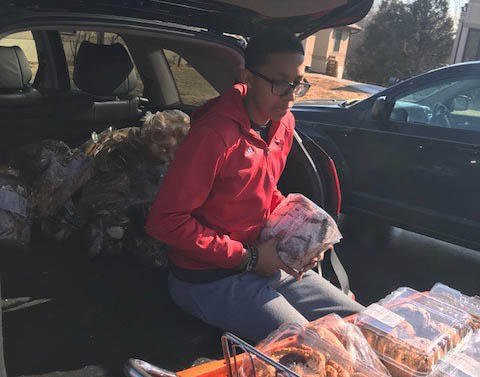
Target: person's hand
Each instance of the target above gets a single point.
(269, 263)
(314, 261)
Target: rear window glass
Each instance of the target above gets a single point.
(192, 86)
(72, 40)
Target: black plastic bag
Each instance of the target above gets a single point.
(54, 171)
(15, 209)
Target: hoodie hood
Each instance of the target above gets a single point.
(229, 105)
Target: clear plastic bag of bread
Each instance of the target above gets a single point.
(305, 230)
(54, 171)
(463, 361)
(163, 131)
(457, 299)
(15, 209)
(303, 351)
(349, 339)
(411, 331)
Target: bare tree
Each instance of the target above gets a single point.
(112, 38)
(75, 41)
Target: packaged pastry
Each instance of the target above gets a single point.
(463, 361)
(304, 228)
(455, 298)
(348, 338)
(410, 331)
(304, 353)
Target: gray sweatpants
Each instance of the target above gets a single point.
(252, 306)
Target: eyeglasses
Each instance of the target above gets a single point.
(282, 88)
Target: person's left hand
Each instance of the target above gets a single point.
(314, 261)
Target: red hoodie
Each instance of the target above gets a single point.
(221, 186)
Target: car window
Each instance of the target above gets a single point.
(192, 86)
(26, 42)
(453, 103)
(71, 42)
(424, 93)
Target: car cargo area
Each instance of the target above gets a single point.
(68, 315)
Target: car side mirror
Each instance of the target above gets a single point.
(380, 109)
(461, 103)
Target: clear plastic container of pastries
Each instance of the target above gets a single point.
(456, 298)
(411, 331)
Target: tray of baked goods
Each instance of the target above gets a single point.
(411, 331)
(406, 334)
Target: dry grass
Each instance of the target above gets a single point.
(324, 87)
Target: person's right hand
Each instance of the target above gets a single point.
(269, 263)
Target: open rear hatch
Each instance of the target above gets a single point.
(242, 17)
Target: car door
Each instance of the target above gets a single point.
(439, 127)
(374, 159)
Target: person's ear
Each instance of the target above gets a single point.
(247, 77)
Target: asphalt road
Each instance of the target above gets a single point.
(67, 315)
(380, 259)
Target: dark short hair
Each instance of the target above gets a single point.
(270, 41)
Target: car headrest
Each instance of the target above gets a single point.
(15, 72)
(104, 70)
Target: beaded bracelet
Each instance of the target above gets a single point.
(253, 258)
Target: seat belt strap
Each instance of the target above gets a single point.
(340, 272)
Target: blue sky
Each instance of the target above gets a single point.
(455, 6)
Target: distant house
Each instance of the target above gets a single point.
(328, 43)
(467, 41)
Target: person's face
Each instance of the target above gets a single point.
(284, 66)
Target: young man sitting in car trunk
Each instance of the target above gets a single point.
(219, 190)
